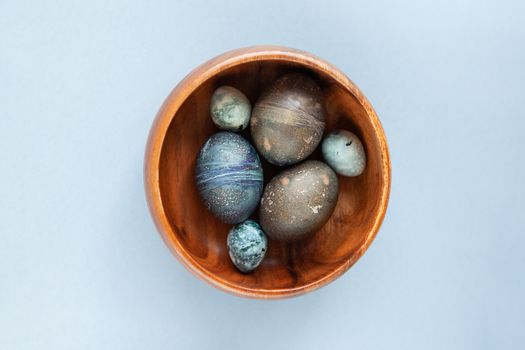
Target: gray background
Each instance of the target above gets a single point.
(81, 264)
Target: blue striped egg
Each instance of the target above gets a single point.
(229, 177)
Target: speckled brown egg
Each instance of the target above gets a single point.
(288, 119)
(299, 201)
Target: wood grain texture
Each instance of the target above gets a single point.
(198, 239)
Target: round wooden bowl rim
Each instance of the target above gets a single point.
(158, 132)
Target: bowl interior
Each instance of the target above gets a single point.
(288, 267)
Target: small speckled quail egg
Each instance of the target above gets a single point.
(344, 152)
(247, 245)
(230, 109)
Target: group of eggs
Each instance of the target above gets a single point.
(286, 124)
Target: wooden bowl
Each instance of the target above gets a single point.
(198, 240)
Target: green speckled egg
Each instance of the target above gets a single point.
(344, 152)
(230, 109)
(247, 245)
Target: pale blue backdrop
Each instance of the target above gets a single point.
(81, 264)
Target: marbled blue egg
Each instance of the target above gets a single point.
(230, 109)
(344, 152)
(229, 177)
(247, 245)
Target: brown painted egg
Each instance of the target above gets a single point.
(288, 119)
(299, 201)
